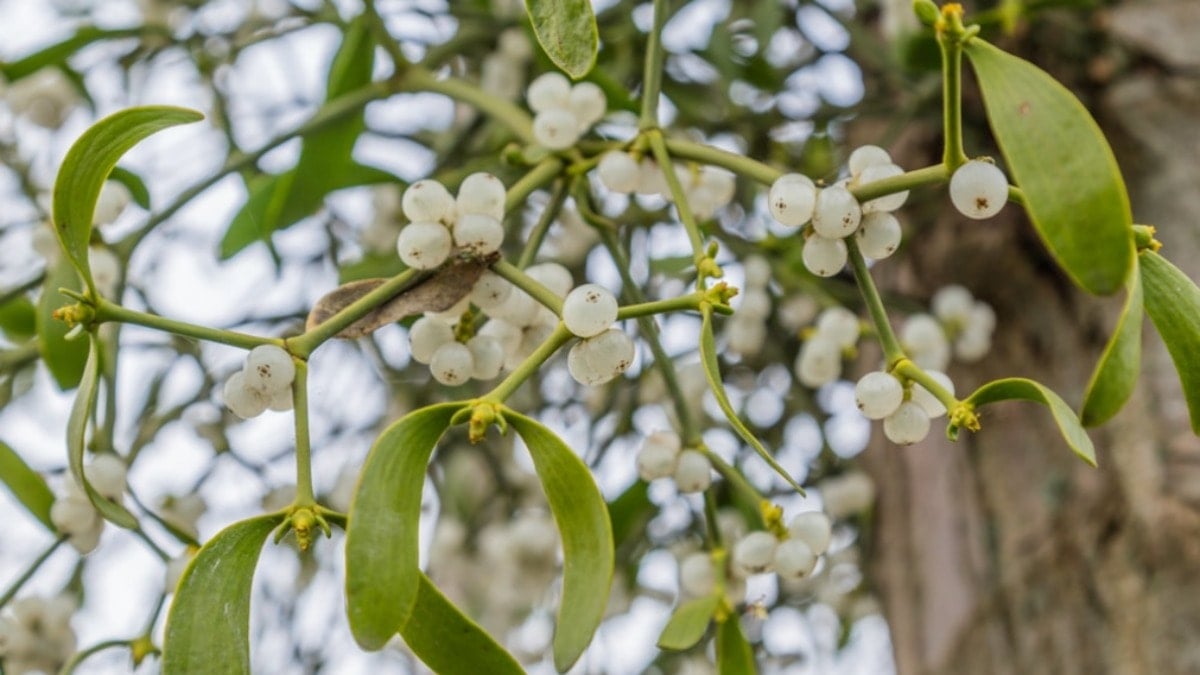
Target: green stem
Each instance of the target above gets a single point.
(20, 581)
(739, 164)
(79, 657)
(533, 287)
(106, 310)
(417, 78)
(712, 526)
(306, 343)
(304, 483)
(529, 366)
(383, 37)
(680, 304)
(536, 236)
(735, 478)
(538, 176)
(663, 157)
(652, 69)
(950, 33)
(911, 371)
(929, 175)
(892, 350)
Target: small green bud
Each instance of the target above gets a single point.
(926, 11)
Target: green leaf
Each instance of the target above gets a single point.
(1173, 303)
(371, 266)
(77, 421)
(688, 624)
(566, 30)
(59, 52)
(134, 183)
(630, 512)
(26, 485)
(712, 370)
(382, 576)
(208, 628)
(587, 541)
(64, 358)
(448, 641)
(18, 319)
(88, 164)
(1060, 159)
(1116, 374)
(1020, 388)
(735, 656)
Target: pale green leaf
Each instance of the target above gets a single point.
(566, 30)
(18, 319)
(1173, 303)
(448, 641)
(26, 485)
(1060, 159)
(64, 358)
(208, 628)
(1017, 388)
(1116, 374)
(583, 523)
(688, 623)
(735, 656)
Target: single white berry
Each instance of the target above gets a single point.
(74, 516)
(819, 362)
(113, 199)
(953, 304)
(836, 213)
(503, 332)
(746, 335)
(840, 325)
(795, 311)
(824, 257)
(792, 198)
(983, 317)
(478, 234)
(878, 394)
(717, 186)
(879, 235)
(925, 341)
(424, 245)
(978, 189)
(599, 359)
(587, 103)
(519, 309)
(589, 310)
(106, 269)
(281, 400)
(481, 193)
(847, 494)
(452, 364)
(553, 276)
(269, 369)
(106, 473)
(697, 575)
(928, 402)
(972, 344)
(487, 357)
(426, 336)
(812, 528)
(657, 460)
(757, 271)
(755, 553)
(651, 179)
(865, 156)
(556, 128)
(755, 304)
(619, 171)
(794, 559)
(490, 290)
(693, 472)
(427, 200)
(547, 91)
(242, 400)
(909, 424)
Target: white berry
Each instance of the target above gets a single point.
(879, 235)
(487, 356)
(812, 528)
(478, 234)
(556, 128)
(242, 400)
(452, 364)
(426, 336)
(865, 156)
(953, 304)
(269, 369)
(589, 310)
(490, 290)
(925, 341)
(106, 473)
(427, 200)
(424, 245)
(697, 575)
(909, 424)
(619, 172)
(481, 193)
(587, 103)
(755, 553)
(693, 472)
(757, 271)
(794, 559)
(792, 198)
(824, 257)
(978, 189)
(819, 362)
(928, 402)
(549, 90)
(599, 359)
(836, 213)
(840, 325)
(553, 276)
(878, 394)
(889, 202)
(659, 455)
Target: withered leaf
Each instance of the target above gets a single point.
(435, 292)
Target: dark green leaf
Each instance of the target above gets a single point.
(712, 370)
(1173, 303)
(630, 512)
(88, 164)
(26, 485)
(77, 422)
(688, 623)
(448, 641)
(1017, 388)
(1060, 159)
(64, 358)
(735, 656)
(1116, 374)
(18, 319)
(582, 519)
(208, 628)
(382, 576)
(566, 30)
(134, 183)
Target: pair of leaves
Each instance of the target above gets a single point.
(384, 585)
(566, 30)
(1073, 190)
(688, 625)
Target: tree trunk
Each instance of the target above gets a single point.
(1003, 553)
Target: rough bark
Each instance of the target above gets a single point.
(1003, 553)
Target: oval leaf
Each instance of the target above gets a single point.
(566, 30)
(81, 412)
(583, 523)
(448, 641)
(18, 319)
(64, 358)
(1116, 374)
(1060, 159)
(735, 656)
(712, 370)
(26, 485)
(208, 628)
(1020, 388)
(89, 162)
(688, 623)
(382, 576)
(1173, 303)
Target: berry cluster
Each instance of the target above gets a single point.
(589, 312)
(707, 188)
(36, 635)
(432, 342)
(662, 456)
(906, 411)
(440, 223)
(564, 113)
(793, 556)
(265, 382)
(73, 514)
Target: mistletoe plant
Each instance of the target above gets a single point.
(478, 308)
